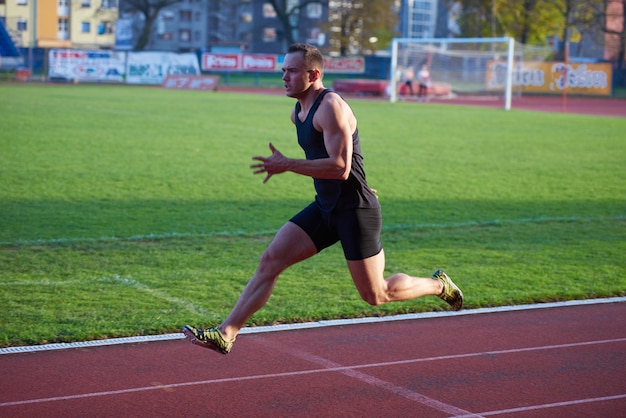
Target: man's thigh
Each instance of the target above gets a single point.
(290, 245)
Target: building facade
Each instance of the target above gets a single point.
(222, 25)
(60, 23)
(419, 18)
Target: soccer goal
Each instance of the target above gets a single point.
(457, 66)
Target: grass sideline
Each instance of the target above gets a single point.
(132, 211)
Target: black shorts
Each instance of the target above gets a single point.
(357, 229)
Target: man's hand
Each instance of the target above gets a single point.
(274, 164)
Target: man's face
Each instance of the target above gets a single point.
(296, 76)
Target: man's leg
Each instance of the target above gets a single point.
(375, 289)
(290, 245)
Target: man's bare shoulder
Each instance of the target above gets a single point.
(334, 112)
(333, 102)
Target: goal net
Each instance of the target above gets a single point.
(457, 66)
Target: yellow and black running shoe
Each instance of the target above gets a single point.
(451, 293)
(209, 338)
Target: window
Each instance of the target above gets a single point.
(105, 28)
(85, 27)
(185, 16)
(22, 25)
(85, 3)
(269, 34)
(62, 33)
(21, 2)
(62, 24)
(184, 35)
(314, 10)
(268, 10)
(109, 4)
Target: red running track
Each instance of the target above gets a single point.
(565, 361)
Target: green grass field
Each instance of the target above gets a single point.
(130, 211)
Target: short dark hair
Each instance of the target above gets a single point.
(313, 58)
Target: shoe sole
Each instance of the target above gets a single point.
(192, 339)
(459, 296)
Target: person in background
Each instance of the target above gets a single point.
(407, 80)
(425, 82)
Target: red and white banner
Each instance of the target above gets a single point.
(258, 62)
(344, 65)
(221, 62)
(269, 62)
(191, 82)
(238, 62)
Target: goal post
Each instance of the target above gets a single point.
(459, 66)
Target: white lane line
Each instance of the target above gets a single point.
(370, 380)
(547, 405)
(347, 369)
(309, 325)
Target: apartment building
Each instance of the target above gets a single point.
(210, 25)
(86, 24)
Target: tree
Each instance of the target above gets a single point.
(528, 21)
(359, 26)
(288, 13)
(474, 18)
(150, 10)
(354, 26)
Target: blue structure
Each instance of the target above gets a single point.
(10, 56)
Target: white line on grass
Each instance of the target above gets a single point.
(185, 304)
(307, 325)
(243, 234)
(116, 280)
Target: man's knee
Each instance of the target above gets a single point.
(374, 298)
(270, 263)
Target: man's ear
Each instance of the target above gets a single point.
(314, 75)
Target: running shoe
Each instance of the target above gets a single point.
(451, 293)
(208, 338)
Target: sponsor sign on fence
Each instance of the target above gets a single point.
(352, 65)
(263, 62)
(191, 82)
(238, 62)
(153, 67)
(552, 77)
(80, 65)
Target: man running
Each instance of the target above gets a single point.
(345, 208)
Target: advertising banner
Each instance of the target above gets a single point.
(267, 62)
(221, 62)
(153, 67)
(352, 65)
(191, 82)
(551, 77)
(74, 64)
(239, 62)
(258, 62)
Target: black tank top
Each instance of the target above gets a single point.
(334, 194)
